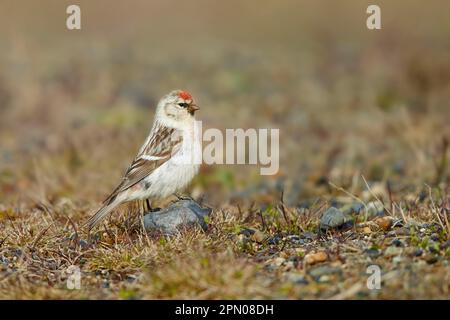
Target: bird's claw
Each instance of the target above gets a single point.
(183, 197)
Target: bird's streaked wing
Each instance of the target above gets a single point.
(163, 143)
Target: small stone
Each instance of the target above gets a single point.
(353, 208)
(385, 223)
(295, 239)
(366, 230)
(392, 251)
(247, 232)
(320, 271)
(418, 252)
(332, 218)
(296, 278)
(372, 252)
(374, 208)
(183, 213)
(397, 243)
(313, 258)
(274, 240)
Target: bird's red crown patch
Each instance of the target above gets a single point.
(185, 95)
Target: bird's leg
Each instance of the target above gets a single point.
(141, 206)
(183, 196)
(149, 207)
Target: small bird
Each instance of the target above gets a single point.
(166, 162)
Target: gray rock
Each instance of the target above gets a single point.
(353, 208)
(374, 209)
(324, 270)
(295, 239)
(296, 278)
(332, 218)
(373, 253)
(397, 243)
(247, 232)
(274, 240)
(180, 214)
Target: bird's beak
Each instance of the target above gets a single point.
(193, 107)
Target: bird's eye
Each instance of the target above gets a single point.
(183, 104)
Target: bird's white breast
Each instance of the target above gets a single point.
(176, 173)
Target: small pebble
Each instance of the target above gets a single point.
(373, 253)
(366, 230)
(295, 239)
(247, 232)
(354, 208)
(397, 243)
(274, 240)
(313, 258)
(384, 223)
(296, 278)
(324, 270)
(373, 209)
(332, 218)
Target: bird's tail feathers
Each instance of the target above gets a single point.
(101, 214)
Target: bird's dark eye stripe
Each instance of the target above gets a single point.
(183, 104)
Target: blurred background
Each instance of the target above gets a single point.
(76, 105)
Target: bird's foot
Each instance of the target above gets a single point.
(145, 206)
(183, 196)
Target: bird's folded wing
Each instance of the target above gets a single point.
(163, 143)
